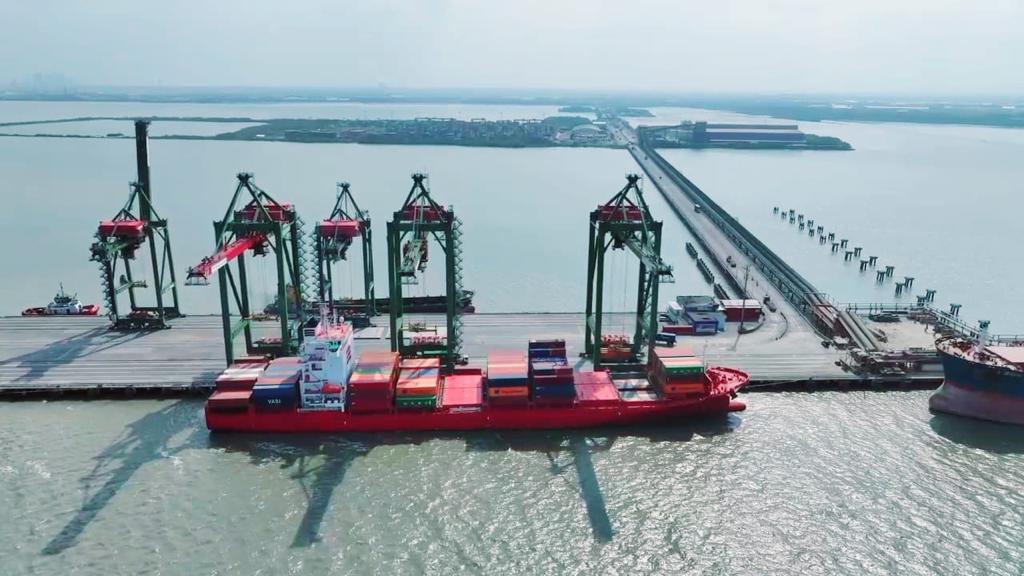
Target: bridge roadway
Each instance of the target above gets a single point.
(790, 292)
(787, 321)
(41, 355)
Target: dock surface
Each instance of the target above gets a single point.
(54, 355)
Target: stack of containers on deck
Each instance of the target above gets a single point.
(550, 374)
(326, 360)
(595, 389)
(277, 388)
(234, 385)
(372, 383)
(678, 373)
(463, 391)
(418, 383)
(508, 378)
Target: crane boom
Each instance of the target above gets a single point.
(199, 275)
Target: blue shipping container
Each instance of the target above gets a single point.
(274, 396)
(563, 390)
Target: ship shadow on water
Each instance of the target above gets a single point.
(145, 440)
(320, 462)
(979, 434)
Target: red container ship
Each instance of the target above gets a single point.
(325, 391)
(63, 304)
(241, 415)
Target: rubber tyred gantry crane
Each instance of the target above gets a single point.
(334, 236)
(263, 225)
(118, 240)
(624, 221)
(409, 232)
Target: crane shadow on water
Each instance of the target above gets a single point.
(320, 462)
(145, 440)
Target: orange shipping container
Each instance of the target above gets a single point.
(689, 388)
(509, 391)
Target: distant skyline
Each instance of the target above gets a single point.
(909, 47)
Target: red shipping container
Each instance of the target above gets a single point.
(463, 381)
(229, 400)
(598, 378)
(600, 395)
(425, 363)
(123, 228)
(678, 329)
(373, 378)
(369, 408)
(454, 397)
(234, 385)
(340, 228)
(509, 391)
(499, 401)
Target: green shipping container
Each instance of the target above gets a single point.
(684, 370)
(416, 401)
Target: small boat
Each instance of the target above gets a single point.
(64, 304)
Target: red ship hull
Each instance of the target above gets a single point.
(662, 411)
(87, 310)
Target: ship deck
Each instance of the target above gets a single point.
(56, 355)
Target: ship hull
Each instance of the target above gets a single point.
(661, 411)
(979, 390)
(87, 310)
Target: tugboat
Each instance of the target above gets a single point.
(981, 380)
(64, 305)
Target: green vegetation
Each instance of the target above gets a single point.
(826, 142)
(565, 121)
(624, 112)
(577, 109)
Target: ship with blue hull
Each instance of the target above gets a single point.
(981, 380)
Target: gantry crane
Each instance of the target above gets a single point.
(409, 232)
(118, 240)
(334, 236)
(263, 225)
(625, 221)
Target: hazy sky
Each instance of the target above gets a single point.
(880, 46)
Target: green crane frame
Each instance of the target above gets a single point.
(420, 219)
(625, 221)
(109, 250)
(330, 250)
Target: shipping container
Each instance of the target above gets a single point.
(638, 396)
(678, 329)
(462, 394)
(697, 303)
(559, 390)
(229, 401)
(274, 396)
(518, 391)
